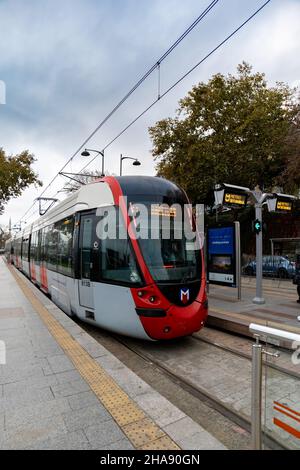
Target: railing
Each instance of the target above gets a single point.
(281, 411)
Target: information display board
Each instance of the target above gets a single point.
(234, 199)
(284, 205)
(221, 255)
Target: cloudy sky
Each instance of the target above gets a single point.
(66, 63)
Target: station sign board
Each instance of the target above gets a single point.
(234, 199)
(281, 204)
(284, 205)
(221, 255)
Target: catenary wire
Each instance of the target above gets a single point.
(177, 82)
(131, 91)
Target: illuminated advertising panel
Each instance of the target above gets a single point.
(234, 199)
(221, 257)
(284, 205)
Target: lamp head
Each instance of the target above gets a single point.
(85, 153)
(136, 163)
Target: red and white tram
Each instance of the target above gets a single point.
(150, 288)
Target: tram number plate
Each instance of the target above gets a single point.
(86, 283)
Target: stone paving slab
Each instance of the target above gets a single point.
(44, 401)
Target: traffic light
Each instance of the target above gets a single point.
(257, 226)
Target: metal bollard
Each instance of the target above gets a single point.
(256, 395)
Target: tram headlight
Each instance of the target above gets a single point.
(140, 293)
(152, 299)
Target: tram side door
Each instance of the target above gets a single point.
(86, 297)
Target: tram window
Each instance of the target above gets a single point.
(38, 246)
(51, 238)
(86, 245)
(25, 246)
(171, 256)
(33, 246)
(65, 246)
(116, 258)
(42, 253)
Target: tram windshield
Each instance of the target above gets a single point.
(167, 241)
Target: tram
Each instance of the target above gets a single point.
(95, 257)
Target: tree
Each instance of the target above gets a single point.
(16, 174)
(4, 235)
(290, 177)
(232, 129)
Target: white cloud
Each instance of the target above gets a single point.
(66, 64)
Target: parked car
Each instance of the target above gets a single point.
(296, 279)
(276, 266)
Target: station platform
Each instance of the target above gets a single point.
(280, 309)
(61, 389)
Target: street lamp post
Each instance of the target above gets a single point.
(86, 153)
(232, 194)
(136, 162)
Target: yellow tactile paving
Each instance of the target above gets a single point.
(142, 432)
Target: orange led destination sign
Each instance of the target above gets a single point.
(285, 206)
(235, 199)
(163, 211)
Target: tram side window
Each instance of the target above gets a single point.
(38, 248)
(51, 239)
(86, 228)
(116, 258)
(19, 247)
(33, 246)
(65, 246)
(25, 246)
(42, 250)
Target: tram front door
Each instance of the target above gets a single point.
(86, 298)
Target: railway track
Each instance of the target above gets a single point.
(199, 392)
(248, 356)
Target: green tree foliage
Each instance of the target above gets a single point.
(16, 174)
(232, 129)
(290, 177)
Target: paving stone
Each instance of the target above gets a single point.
(71, 441)
(70, 388)
(123, 444)
(103, 435)
(130, 382)
(110, 363)
(191, 436)
(18, 387)
(68, 376)
(91, 346)
(82, 400)
(14, 374)
(159, 408)
(26, 398)
(21, 417)
(41, 350)
(84, 417)
(60, 363)
(32, 432)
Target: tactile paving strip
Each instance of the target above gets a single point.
(142, 432)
